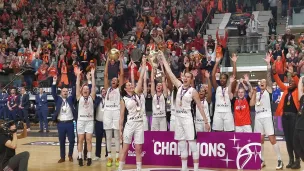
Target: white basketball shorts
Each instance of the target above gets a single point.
(85, 127)
(245, 128)
(264, 126)
(136, 129)
(184, 128)
(200, 126)
(159, 124)
(111, 119)
(223, 121)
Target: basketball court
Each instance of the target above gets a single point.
(44, 154)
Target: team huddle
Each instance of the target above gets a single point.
(121, 108)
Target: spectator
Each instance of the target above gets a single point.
(273, 8)
(284, 8)
(272, 24)
(210, 44)
(288, 36)
(272, 42)
(253, 34)
(242, 33)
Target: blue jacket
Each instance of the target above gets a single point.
(41, 103)
(3, 99)
(36, 64)
(58, 101)
(25, 101)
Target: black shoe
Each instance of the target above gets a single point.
(296, 164)
(89, 162)
(263, 164)
(291, 161)
(80, 162)
(280, 165)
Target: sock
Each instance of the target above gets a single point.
(89, 155)
(262, 152)
(195, 166)
(184, 164)
(138, 165)
(109, 154)
(277, 151)
(117, 155)
(80, 155)
(121, 164)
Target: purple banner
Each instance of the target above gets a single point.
(216, 149)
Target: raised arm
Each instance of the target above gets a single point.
(165, 89)
(54, 89)
(209, 94)
(152, 83)
(138, 87)
(246, 79)
(78, 72)
(196, 98)
(277, 79)
(132, 73)
(145, 92)
(106, 75)
(174, 80)
(93, 91)
(121, 72)
(268, 79)
(214, 83)
(234, 59)
(300, 88)
(232, 79)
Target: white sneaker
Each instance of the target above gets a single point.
(96, 159)
(256, 51)
(250, 51)
(28, 129)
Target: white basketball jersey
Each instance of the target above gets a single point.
(100, 110)
(222, 100)
(112, 99)
(183, 105)
(132, 104)
(159, 106)
(172, 107)
(263, 105)
(85, 109)
(143, 104)
(199, 117)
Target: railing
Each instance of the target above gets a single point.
(262, 42)
(203, 28)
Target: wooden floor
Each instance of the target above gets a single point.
(44, 158)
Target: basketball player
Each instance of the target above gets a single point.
(184, 118)
(130, 106)
(171, 96)
(205, 99)
(240, 104)
(263, 118)
(85, 121)
(142, 96)
(159, 95)
(112, 111)
(223, 118)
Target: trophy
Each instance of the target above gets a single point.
(114, 54)
(155, 58)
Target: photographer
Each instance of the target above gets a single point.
(9, 161)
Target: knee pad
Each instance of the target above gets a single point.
(182, 146)
(194, 149)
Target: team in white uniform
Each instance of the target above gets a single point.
(222, 118)
(111, 115)
(159, 95)
(263, 115)
(184, 118)
(131, 106)
(85, 121)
